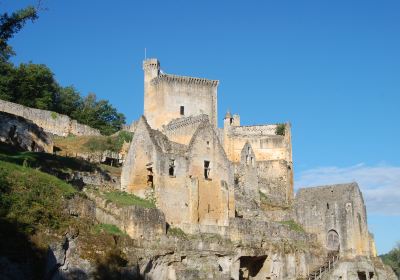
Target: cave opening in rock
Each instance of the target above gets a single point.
(250, 266)
(362, 275)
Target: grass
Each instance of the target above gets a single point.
(125, 199)
(293, 225)
(32, 198)
(109, 229)
(43, 161)
(173, 231)
(90, 144)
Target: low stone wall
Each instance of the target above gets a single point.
(51, 122)
(137, 222)
(24, 134)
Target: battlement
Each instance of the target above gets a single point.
(185, 79)
(260, 130)
(182, 122)
(151, 63)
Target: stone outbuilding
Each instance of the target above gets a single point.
(337, 214)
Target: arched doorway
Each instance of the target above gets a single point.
(332, 241)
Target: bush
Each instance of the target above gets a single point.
(293, 225)
(280, 129)
(173, 231)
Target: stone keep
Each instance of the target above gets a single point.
(168, 97)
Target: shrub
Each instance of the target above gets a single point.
(293, 225)
(54, 115)
(173, 231)
(280, 129)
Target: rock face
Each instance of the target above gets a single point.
(361, 268)
(51, 122)
(137, 222)
(24, 134)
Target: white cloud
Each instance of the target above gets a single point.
(380, 184)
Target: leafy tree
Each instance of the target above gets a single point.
(67, 100)
(99, 114)
(34, 85)
(11, 24)
(393, 259)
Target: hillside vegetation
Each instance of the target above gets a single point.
(393, 259)
(33, 216)
(88, 144)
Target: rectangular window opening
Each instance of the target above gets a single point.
(171, 169)
(182, 110)
(150, 177)
(206, 169)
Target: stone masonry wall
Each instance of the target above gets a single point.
(164, 95)
(51, 122)
(337, 210)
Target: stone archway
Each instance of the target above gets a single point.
(332, 241)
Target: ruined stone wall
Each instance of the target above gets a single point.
(263, 139)
(182, 130)
(185, 196)
(274, 180)
(215, 195)
(338, 210)
(164, 95)
(51, 122)
(272, 152)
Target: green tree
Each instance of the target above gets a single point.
(393, 259)
(11, 24)
(67, 100)
(99, 114)
(34, 85)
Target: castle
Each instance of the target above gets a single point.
(202, 176)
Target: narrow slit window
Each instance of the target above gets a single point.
(171, 169)
(150, 177)
(182, 110)
(206, 169)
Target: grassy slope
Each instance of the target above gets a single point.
(124, 199)
(88, 144)
(32, 211)
(53, 164)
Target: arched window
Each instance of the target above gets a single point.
(332, 241)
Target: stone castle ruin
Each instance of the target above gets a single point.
(237, 181)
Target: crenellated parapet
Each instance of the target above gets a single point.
(184, 79)
(184, 122)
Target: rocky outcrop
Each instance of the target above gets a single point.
(137, 222)
(24, 134)
(361, 268)
(51, 122)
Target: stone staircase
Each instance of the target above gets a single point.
(328, 265)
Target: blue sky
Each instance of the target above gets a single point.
(331, 68)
